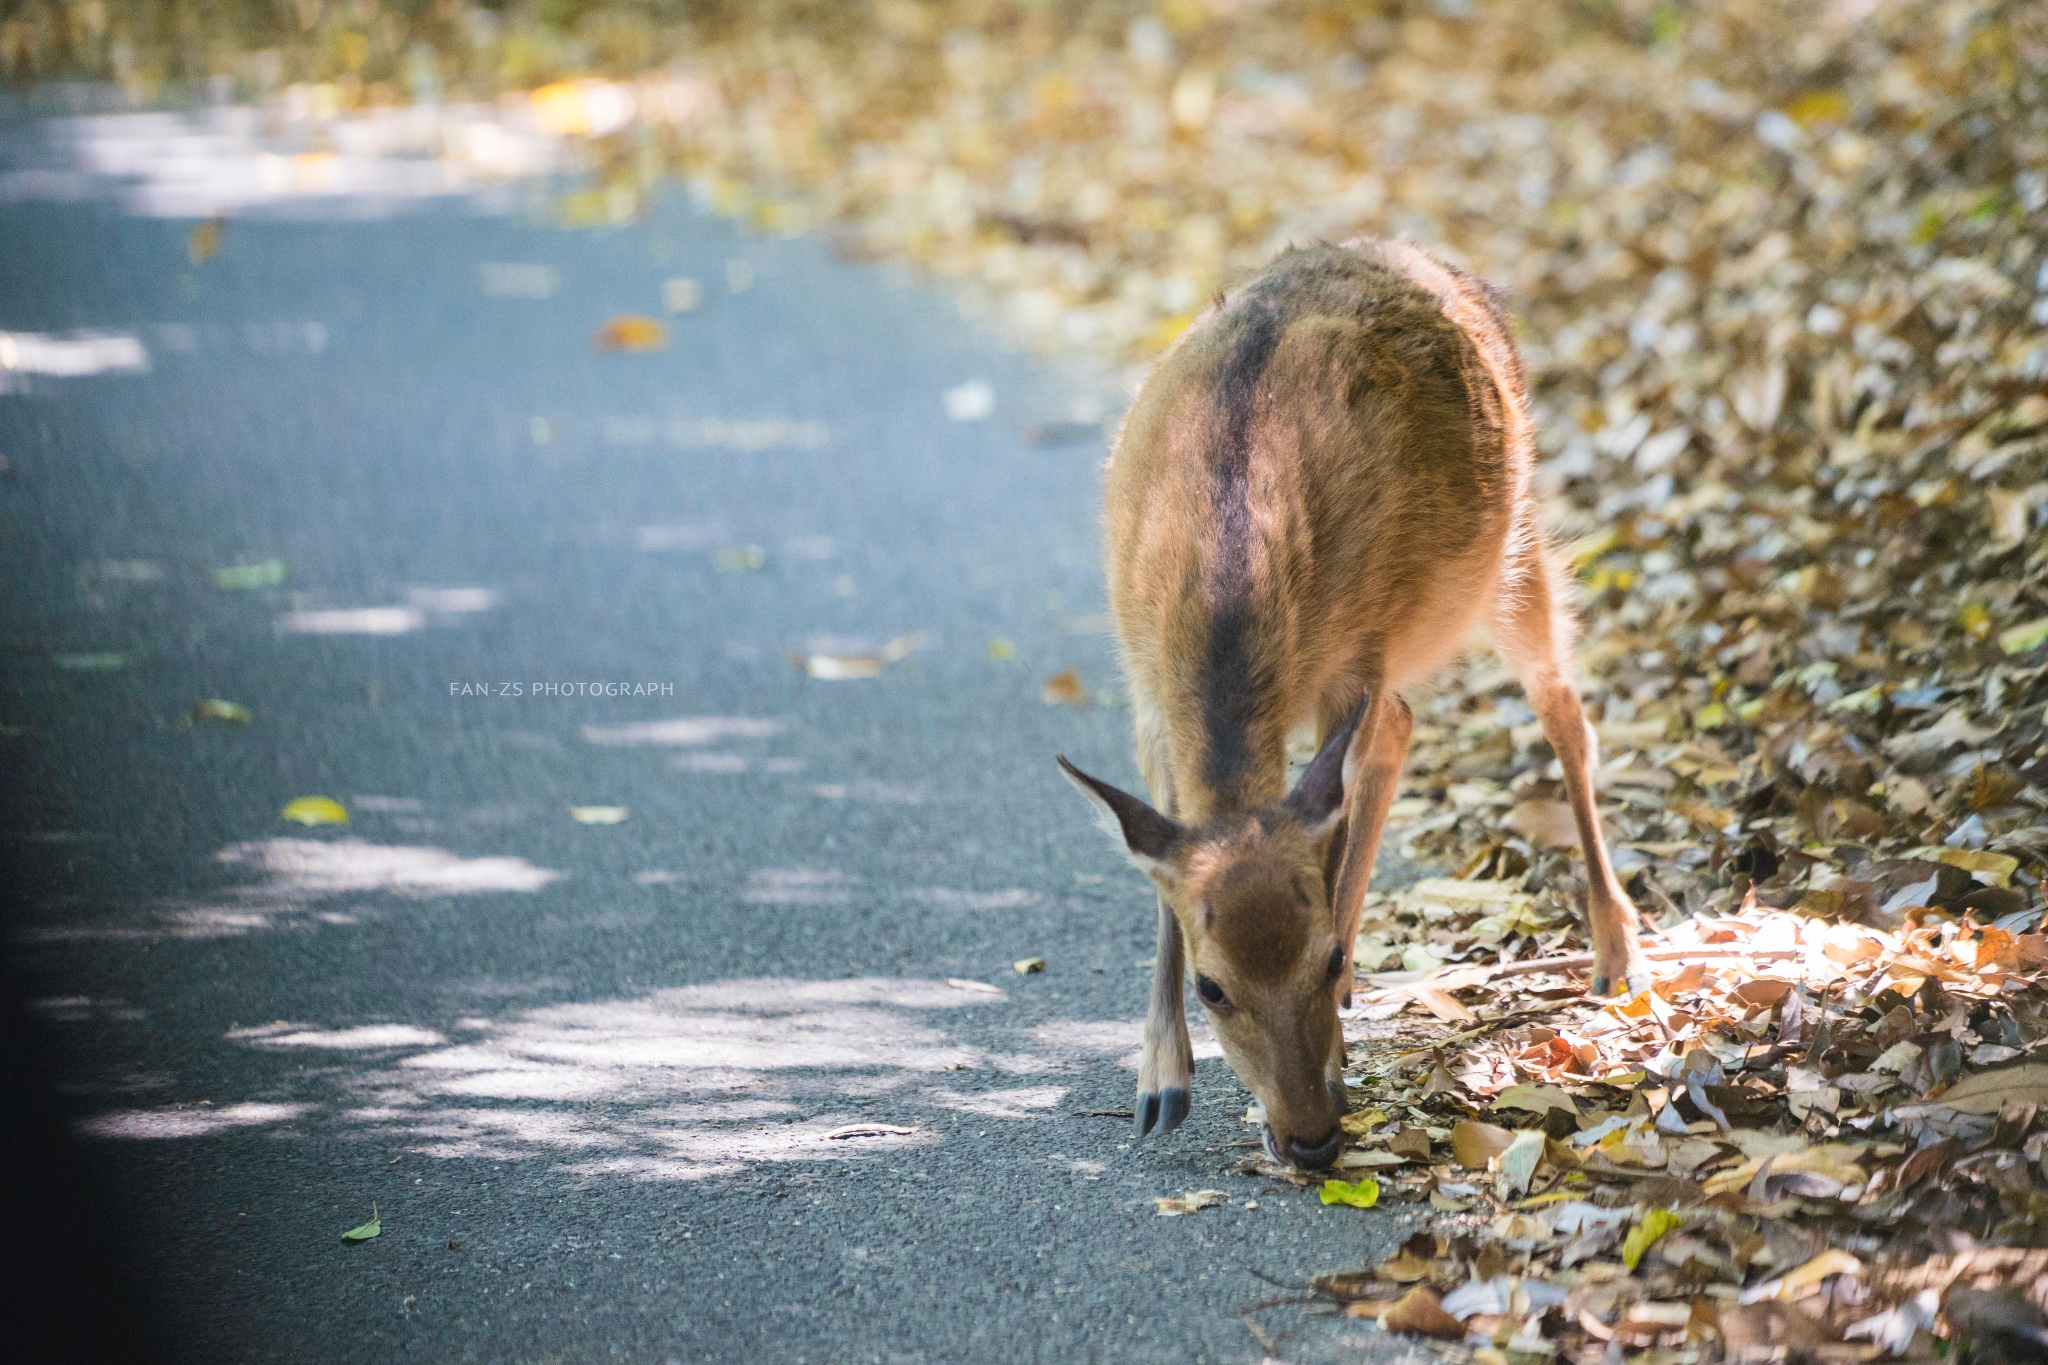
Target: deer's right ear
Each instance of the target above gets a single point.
(1148, 838)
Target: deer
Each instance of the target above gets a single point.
(1317, 499)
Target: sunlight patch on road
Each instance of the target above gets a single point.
(298, 872)
(679, 1084)
(205, 1121)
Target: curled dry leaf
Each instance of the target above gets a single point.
(1065, 689)
(1174, 1205)
(1420, 1313)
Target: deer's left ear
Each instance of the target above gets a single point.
(1318, 798)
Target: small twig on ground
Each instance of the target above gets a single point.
(1259, 1274)
(1102, 1114)
(1580, 962)
(1265, 1340)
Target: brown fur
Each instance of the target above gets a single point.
(1320, 495)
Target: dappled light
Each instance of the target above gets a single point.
(299, 873)
(679, 1084)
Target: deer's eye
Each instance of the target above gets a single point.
(1336, 963)
(1211, 993)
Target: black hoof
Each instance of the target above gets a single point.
(1602, 986)
(1161, 1111)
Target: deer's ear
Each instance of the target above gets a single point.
(1148, 838)
(1318, 798)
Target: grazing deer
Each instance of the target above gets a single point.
(1320, 494)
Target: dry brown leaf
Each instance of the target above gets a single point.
(1420, 1313)
(1473, 1144)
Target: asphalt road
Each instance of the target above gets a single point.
(589, 1075)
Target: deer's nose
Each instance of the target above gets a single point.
(1316, 1154)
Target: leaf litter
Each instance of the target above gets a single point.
(1780, 278)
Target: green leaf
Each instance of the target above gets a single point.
(1646, 1234)
(367, 1230)
(241, 577)
(2024, 639)
(1362, 1195)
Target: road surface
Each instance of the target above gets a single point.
(595, 1078)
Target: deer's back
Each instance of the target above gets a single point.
(1315, 486)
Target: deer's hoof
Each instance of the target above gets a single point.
(1618, 975)
(1161, 1111)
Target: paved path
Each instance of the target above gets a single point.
(589, 1074)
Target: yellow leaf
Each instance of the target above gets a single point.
(1818, 106)
(1362, 1195)
(630, 332)
(203, 242)
(1647, 1233)
(1359, 1122)
(1001, 649)
(315, 810)
(1833, 1261)
(598, 815)
(2024, 639)
(1997, 868)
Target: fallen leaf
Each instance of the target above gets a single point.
(1987, 1092)
(1648, 1231)
(1474, 1144)
(1536, 1099)
(1173, 1206)
(1362, 1195)
(838, 667)
(598, 815)
(740, 559)
(1420, 1313)
(1793, 1284)
(314, 810)
(1064, 689)
(212, 708)
(202, 243)
(1028, 966)
(365, 1231)
(869, 1130)
(105, 661)
(2024, 639)
(1546, 824)
(630, 332)
(1517, 1164)
(1001, 650)
(243, 577)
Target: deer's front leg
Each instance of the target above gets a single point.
(1372, 773)
(1166, 1059)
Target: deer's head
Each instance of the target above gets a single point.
(1249, 893)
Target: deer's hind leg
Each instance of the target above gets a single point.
(1536, 634)
(1166, 1056)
